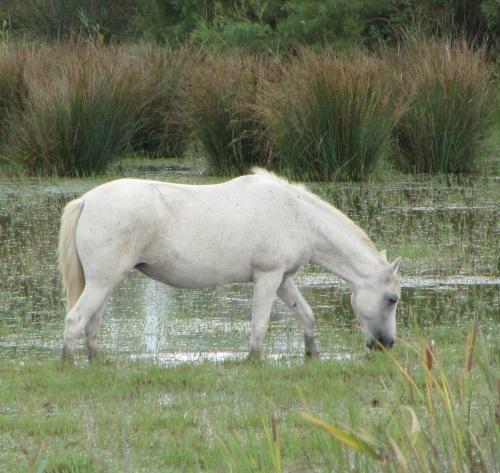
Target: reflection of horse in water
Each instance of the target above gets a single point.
(255, 228)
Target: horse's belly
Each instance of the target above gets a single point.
(195, 275)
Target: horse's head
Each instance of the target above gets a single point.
(375, 302)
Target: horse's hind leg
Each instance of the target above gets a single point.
(91, 330)
(89, 303)
(291, 296)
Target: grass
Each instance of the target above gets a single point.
(77, 122)
(70, 109)
(374, 412)
(332, 117)
(13, 86)
(446, 87)
(249, 417)
(221, 104)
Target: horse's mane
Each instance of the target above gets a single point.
(313, 198)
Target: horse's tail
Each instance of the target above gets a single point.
(69, 261)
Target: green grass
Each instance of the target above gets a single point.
(218, 416)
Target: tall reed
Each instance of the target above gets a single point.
(448, 105)
(163, 73)
(221, 103)
(82, 116)
(332, 117)
(13, 86)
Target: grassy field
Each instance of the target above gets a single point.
(397, 414)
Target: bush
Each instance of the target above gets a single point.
(221, 102)
(243, 35)
(56, 19)
(448, 105)
(84, 115)
(332, 118)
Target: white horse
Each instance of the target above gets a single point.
(255, 228)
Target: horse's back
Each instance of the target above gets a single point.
(192, 236)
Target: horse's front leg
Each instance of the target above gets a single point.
(265, 286)
(291, 296)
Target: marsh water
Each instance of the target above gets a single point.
(446, 229)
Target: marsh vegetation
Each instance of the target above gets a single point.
(388, 109)
(172, 391)
(70, 109)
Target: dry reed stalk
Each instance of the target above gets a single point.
(471, 345)
(497, 412)
(429, 356)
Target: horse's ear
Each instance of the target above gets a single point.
(383, 253)
(395, 264)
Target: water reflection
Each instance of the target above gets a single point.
(448, 237)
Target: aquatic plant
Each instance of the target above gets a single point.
(221, 100)
(445, 86)
(13, 86)
(332, 117)
(83, 116)
(163, 130)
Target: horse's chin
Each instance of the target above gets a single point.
(378, 345)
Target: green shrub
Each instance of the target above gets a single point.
(57, 19)
(81, 117)
(332, 117)
(448, 106)
(243, 35)
(221, 101)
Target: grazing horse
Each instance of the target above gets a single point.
(256, 228)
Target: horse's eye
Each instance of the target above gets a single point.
(392, 298)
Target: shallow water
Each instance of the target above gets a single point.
(447, 232)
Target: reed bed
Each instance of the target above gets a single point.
(71, 108)
(13, 86)
(86, 105)
(332, 117)
(81, 119)
(448, 105)
(222, 99)
(163, 130)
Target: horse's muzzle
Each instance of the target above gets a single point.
(380, 342)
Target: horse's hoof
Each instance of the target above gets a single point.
(312, 355)
(92, 357)
(254, 356)
(67, 358)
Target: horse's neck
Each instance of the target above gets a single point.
(343, 248)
